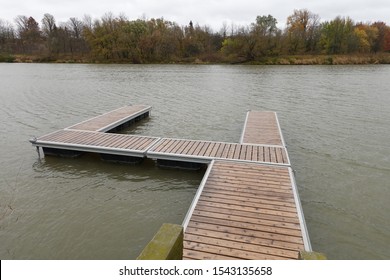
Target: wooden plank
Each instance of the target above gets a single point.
(194, 227)
(237, 201)
(209, 149)
(251, 181)
(179, 145)
(115, 140)
(225, 151)
(202, 151)
(237, 151)
(270, 194)
(242, 197)
(262, 128)
(245, 239)
(262, 226)
(110, 119)
(215, 149)
(281, 177)
(141, 143)
(221, 150)
(242, 246)
(214, 213)
(161, 145)
(130, 143)
(119, 142)
(166, 148)
(199, 148)
(204, 207)
(267, 157)
(198, 255)
(272, 197)
(169, 149)
(147, 143)
(243, 152)
(250, 167)
(189, 147)
(259, 209)
(229, 251)
(194, 147)
(272, 154)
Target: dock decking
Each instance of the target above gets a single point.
(247, 205)
(113, 119)
(245, 211)
(248, 210)
(262, 128)
(97, 142)
(205, 151)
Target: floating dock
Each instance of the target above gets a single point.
(114, 120)
(205, 151)
(245, 211)
(73, 142)
(248, 210)
(262, 128)
(247, 205)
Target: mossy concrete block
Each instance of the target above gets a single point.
(167, 244)
(303, 255)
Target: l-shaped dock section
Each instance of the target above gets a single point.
(247, 205)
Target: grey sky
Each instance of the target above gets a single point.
(204, 12)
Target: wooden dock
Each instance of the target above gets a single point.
(247, 210)
(113, 119)
(96, 142)
(247, 205)
(205, 151)
(262, 128)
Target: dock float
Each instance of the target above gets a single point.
(94, 135)
(247, 205)
(70, 142)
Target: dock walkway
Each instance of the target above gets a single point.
(262, 128)
(205, 151)
(96, 142)
(247, 210)
(247, 206)
(113, 119)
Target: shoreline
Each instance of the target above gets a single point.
(323, 59)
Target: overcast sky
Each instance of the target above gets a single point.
(204, 12)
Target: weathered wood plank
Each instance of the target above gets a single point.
(193, 227)
(229, 251)
(109, 120)
(242, 246)
(262, 128)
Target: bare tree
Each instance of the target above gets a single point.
(48, 24)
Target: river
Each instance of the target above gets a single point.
(335, 120)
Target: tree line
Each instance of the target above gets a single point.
(118, 39)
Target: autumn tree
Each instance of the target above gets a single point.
(29, 34)
(366, 36)
(380, 42)
(49, 30)
(264, 35)
(337, 36)
(303, 31)
(7, 37)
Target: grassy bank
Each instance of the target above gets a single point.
(359, 59)
(382, 58)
